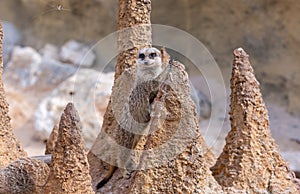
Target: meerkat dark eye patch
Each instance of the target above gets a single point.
(152, 55)
(142, 56)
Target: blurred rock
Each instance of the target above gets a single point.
(50, 51)
(277, 37)
(89, 90)
(29, 77)
(272, 42)
(27, 69)
(12, 37)
(53, 73)
(24, 67)
(77, 54)
(20, 107)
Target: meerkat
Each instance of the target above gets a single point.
(150, 63)
(148, 67)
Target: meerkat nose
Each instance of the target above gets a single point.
(146, 62)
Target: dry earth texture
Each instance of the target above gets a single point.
(250, 162)
(269, 30)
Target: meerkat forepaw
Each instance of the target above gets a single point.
(126, 174)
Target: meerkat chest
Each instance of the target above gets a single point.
(147, 74)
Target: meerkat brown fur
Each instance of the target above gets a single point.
(148, 67)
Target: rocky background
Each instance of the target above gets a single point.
(51, 38)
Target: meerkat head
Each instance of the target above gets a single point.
(149, 57)
(149, 64)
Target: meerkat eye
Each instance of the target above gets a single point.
(152, 55)
(142, 56)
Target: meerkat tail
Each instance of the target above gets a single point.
(111, 171)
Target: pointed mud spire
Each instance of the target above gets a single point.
(50, 146)
(10, 147)
(176, 158)
(250, 161)
(69, 168)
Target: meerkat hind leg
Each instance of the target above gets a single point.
(130, 164)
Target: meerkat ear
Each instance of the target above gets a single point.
(165, 57)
